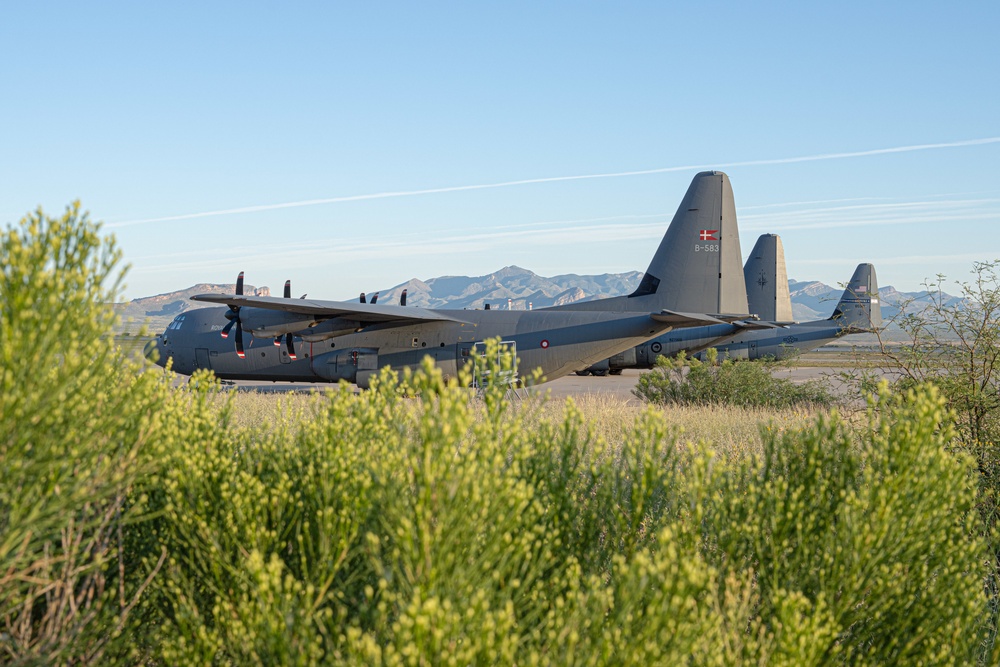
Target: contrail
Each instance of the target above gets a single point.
(555, 179)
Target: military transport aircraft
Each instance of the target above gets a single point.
(858, 311)
(766, 278)
(690, 282)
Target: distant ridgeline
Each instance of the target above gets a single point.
(519, 288)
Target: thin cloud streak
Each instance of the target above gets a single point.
(556, 179)
(901, 260)
(584, 230)
(319, 252)
(952, 203)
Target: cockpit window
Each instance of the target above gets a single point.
(178, 321)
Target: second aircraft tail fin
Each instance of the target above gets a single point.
(859, 310)
(767, 280)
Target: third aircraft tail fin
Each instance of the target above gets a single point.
(859, 310)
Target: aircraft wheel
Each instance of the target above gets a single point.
(583, 374)
(616, 371)
(601, 374)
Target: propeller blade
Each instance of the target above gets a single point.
(225, 329)
(374, 298)
(239, 284)
(277, 341)
(239, 340)
(290, 346)
(402, 298)
(363, 297)
(288, 289)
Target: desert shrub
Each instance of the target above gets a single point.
(397, 527)
(839, 523)
(954, 344)
(422, 522)
(71, 434)
(689, 381)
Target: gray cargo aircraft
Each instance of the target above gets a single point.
(690, 282)
(763, 275)
(858, 311)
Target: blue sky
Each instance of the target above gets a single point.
(329, 142)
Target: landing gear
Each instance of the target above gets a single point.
(616, 371)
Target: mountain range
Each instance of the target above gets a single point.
(511, 286)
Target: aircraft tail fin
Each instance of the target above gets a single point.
(767, 280)
(698, 267)
(859, 310)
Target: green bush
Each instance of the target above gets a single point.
(688, 381)
(421, 522)
(71, 437)
(395, 530)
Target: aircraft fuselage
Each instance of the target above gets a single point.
(556, 342)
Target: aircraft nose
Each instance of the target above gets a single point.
(154, 352)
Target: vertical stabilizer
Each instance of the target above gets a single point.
(698, 267)
(767, 280)
(859, 310)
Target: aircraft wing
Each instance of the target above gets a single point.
(365, 313)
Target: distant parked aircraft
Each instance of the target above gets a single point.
(858, 311)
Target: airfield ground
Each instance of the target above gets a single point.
(826, 363)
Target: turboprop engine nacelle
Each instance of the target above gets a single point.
(264, 323)
(332, 328)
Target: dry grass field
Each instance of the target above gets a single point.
(730, 431)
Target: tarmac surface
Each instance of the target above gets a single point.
(619, 386)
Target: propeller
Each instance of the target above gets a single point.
(287, 295)
(233, 315)
(402, 298)
(288, 336)
(374, 298)
(363, 298)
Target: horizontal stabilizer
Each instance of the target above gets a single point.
(756, 325)
(681, 320)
